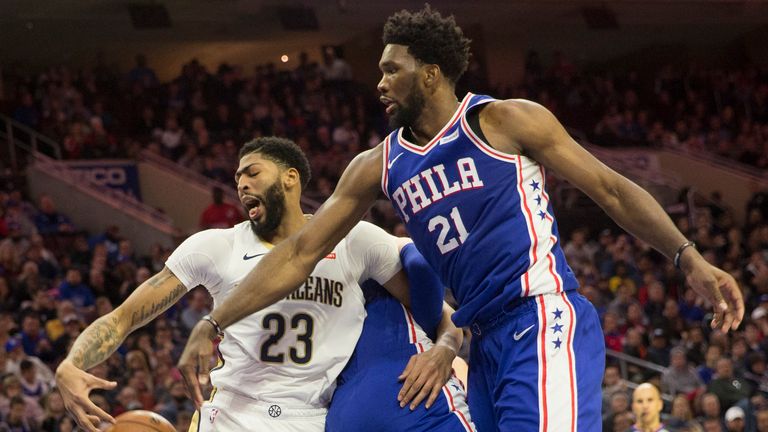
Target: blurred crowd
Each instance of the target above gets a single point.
(55, 277)
(686, 106)
(200, 118)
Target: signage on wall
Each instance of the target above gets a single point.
(118, 175)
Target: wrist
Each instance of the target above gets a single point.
(447, 350)
(684, 255)
(212, 327)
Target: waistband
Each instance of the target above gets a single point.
(510, 310)
(237, 402)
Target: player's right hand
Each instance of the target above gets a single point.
(718, 287)
(75, 385)
(194, 363)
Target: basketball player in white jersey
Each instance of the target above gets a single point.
(277, 367)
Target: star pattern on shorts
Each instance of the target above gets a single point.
(542, 215)
(558, 314)
(538, 200)
(534, 184)
(557, 343)
(557, 328)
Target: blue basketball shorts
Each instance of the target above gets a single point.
(538, 367)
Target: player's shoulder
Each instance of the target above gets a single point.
(505, 108)
(365, 235)
(215, 237)
(517, 116)
(368, 230)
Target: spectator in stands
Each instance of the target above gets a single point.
(142, 74)
(735, 419)
(49, 221)
(172, 138)
(681, 415)
(34, 339)
(613, 337)
(53, 411)
(334, 67)
(619, 405)
(197, 308)
(31, 383)
(680, 377)
(756, 372)
(658, 351)
(99, 143)
(174, 402)
(728, 388)
(710, 408)
(762, 420)
(15, 355)
(74, 290)
(220, 214)
(17, 419)
(647, 406)
(12, 398)
(72, 328)
(707, 370)
(621, 422)
(27, 113)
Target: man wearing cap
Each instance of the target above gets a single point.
(647, 406)
(734, 419)
(658, 352)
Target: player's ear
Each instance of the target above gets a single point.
(291, 178)
(431, 75)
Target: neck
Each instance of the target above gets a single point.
(438, 109)
(293, 220)
(653, 426)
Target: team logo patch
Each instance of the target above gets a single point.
(274, 411)
(331, 255)
(214, 413)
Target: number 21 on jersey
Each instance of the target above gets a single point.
(447, 240)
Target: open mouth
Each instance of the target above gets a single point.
(389, 103)
(254, 205)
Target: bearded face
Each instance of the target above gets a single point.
(266, 213)
(406, 114)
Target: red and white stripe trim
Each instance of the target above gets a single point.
(558, 396)
(385, 166)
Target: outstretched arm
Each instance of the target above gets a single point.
(99, 340)
(535, 131)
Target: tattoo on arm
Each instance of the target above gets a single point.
(145, 314)
(104, 336)
(96, 343)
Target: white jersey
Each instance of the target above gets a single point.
(292, 351)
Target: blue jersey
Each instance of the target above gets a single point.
(481, 218)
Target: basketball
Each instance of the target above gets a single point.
(141, 421)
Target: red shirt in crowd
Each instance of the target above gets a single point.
(220, 216)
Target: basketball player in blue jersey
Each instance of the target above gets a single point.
(390, 340)
(467, 178)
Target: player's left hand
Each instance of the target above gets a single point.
(194, 363)
(425, 375)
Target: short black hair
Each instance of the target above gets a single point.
(431, 39)
(281, 151)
